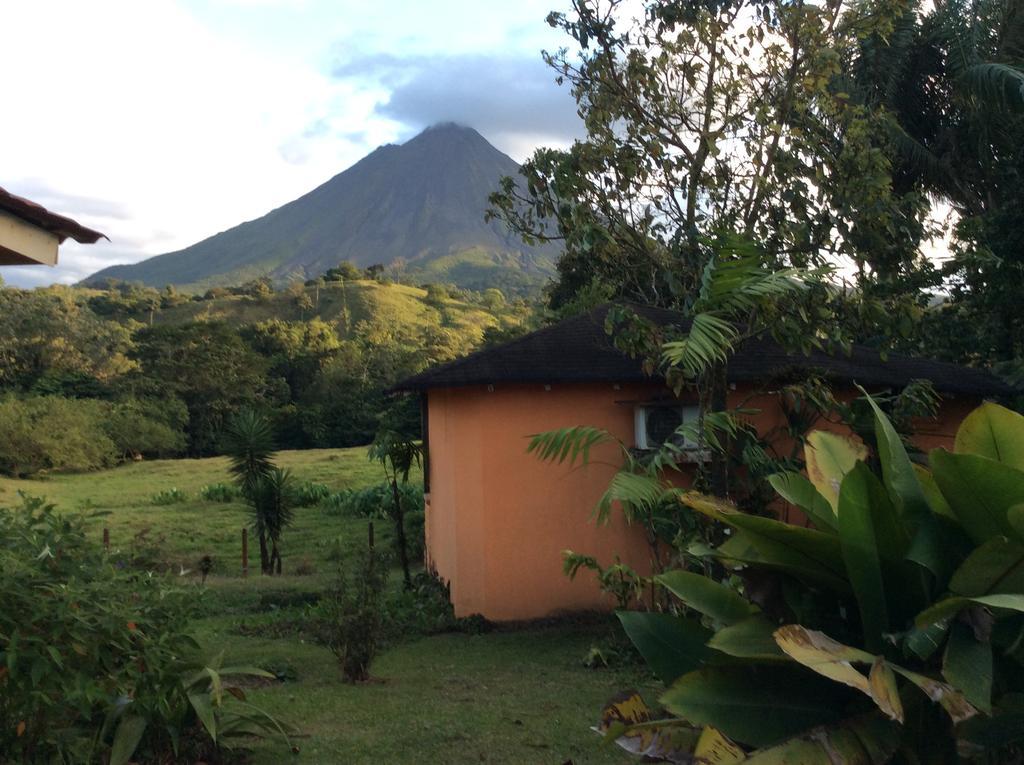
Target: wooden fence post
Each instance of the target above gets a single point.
(370, 534)
(245, 552)
(106, 539)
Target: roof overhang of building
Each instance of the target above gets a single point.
(22, 243)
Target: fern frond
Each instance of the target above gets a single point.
(568, 444)
(710, 340)
(631, 490)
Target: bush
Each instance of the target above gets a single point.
(46, 433)
(373, 501)
(219, 492)
(97, 663)
(52, 433)
(308, 493)
(172, 496)
(350, 618)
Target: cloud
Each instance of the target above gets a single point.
(512, 99)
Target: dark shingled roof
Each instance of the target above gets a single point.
(59, 225)
(579, 350)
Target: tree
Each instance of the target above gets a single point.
(397, 454)
(208, 367)
(248, 442)
(718, 149)
(951, 79)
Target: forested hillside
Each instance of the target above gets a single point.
(90, 377)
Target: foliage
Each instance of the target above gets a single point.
(398, 454)
(310, 493)
(52, 433)
(350, 617)
(219, 492)
(209, 368)
(172, 496)
(97, 664)
(249, 443)
(895, 617)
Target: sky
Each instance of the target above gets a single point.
(163, 122)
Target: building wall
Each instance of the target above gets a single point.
(498, 519)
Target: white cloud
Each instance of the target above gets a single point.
(181, 131)
(163, 122)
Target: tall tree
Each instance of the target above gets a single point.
(717, 140)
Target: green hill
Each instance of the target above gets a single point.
(346, 305)
(418, 207)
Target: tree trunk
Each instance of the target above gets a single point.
(275, 557)
(399, 519)
(264, 554)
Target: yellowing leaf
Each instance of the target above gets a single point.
(714, 748)
(829, 458)
(817, 651)
(882, 681)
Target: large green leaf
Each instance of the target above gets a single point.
(752, 638)
(671, 646)
(866, 523)
(756, 705)
(711, 598)
(829, 458)
(897, 470)
(967, 666)
(760, 551)
(814, 556)
(126, 739)
(997, 566)
(798, 491)
(870, 740)
(980, 492)
(936, 501)
(995, 432)
(952, 606)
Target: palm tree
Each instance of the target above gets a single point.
(272, 504)
(248, 441)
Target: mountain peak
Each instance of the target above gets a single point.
(415, 204)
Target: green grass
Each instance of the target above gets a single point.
(501, 697)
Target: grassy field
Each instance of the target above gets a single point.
(504, 696)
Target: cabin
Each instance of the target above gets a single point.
(498, 519)
(30, 235)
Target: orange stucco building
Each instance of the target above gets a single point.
(498, 519)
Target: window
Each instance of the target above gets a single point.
(656, 424)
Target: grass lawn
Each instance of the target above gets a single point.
(500, 697)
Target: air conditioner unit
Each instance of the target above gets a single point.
(657, 423)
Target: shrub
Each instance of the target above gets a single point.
(350, 618)
(308, 493)
(373, 501)
(891, 626)
(52, 433)
(97, 663)
(46, 433)
(172, 496)
(219, 492)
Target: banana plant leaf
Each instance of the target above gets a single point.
(757, 705)
(713, 599)
(671, 645)
(992, 431)
(980, 492)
